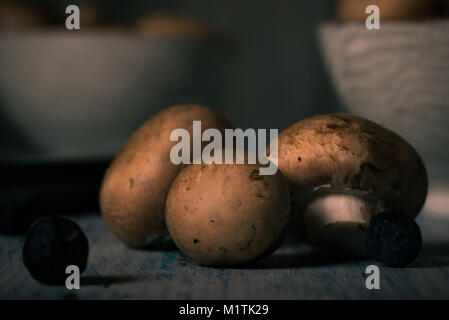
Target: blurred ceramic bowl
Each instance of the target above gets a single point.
(80, 95)
(397, 76)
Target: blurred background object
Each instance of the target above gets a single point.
(81, 95)
(68, 94)
(21, 15)
(173, 26)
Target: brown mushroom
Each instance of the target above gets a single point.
(344, 169)
(135, 186)
(227, 214)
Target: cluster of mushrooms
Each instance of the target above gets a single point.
(344, 184)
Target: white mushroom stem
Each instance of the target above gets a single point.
(338, 222)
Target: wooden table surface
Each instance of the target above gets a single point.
(293, 272)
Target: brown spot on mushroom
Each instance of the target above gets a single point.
(267, 221)
(367, 168)
(186, 208)
(235, 203)
(341, 117)
(255, 175)
(129, 160)
(195, 240)
(212, 221)
(251, 240)
(260, 195)
(131, 183)
(299, 159)
(345, 148)
(334, 224)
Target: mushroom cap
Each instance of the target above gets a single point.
(341, 153)
(227, 214)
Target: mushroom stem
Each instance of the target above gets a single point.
(339, 222)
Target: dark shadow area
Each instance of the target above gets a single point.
(163, 244)
(106, 281)
(289, 261)
(71, 296)
(12, 142)
(32, 191)
(433, 255)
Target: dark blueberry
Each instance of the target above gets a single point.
(393, 239)
(52, 244)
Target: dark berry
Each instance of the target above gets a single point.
(393, 239)
(52, 244)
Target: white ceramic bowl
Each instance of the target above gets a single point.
(397, 76)
(80, 95)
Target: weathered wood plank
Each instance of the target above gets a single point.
(293, 272)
